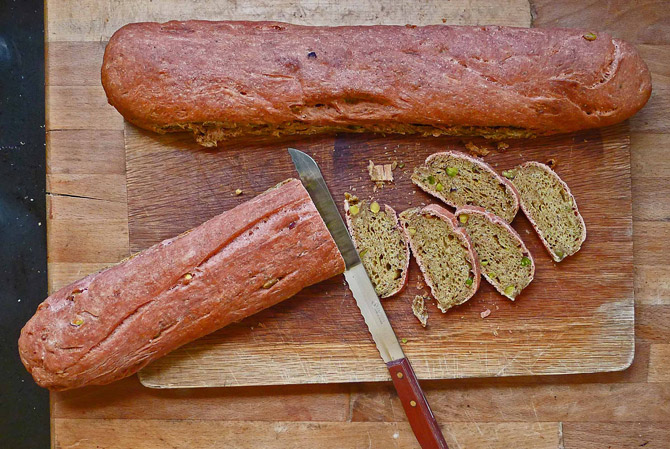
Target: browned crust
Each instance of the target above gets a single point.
(443, 214)
(224, 79)
(240, 262)
(499, 221)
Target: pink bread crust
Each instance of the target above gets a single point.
(176, 76)
(448, 217)
(457, 154)
(499, 221)
(145, 307)
(389, 210)
(532, 222)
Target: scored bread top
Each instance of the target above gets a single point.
(380, 242)
(459, 180)
(110, 324)
(551, 208)
(222, 79)
(436, 268)
(505, 261)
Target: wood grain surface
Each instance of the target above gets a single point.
(627, 409)
(577, 316)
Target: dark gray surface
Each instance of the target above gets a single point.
(24, 407)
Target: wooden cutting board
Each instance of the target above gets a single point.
(576, 316)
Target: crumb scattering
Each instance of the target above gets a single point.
(419, 309)
(502, 146)
(485, 313)
(380, 173)
(477, 150)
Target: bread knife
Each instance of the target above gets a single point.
(416, 407)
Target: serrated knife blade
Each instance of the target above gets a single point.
(357, 278)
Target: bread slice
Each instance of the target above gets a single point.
(551, 208)
(380, 242)
(444, 253)
(462, 180)
(504, 259)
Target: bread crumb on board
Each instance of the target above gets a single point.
(476, 150)
(485, 313)
(380, 173)
(419, 309)
(502, 146)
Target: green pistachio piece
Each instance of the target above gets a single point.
(374, 207)
(469, 282)
(270, 283)
(353, 210)
(525, 261)
(509, 290)
(452, 171)
(439, 187)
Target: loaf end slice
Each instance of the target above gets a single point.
(550, 207)
(462, 180)
(504, 259)
(444, 253)
(380, 242)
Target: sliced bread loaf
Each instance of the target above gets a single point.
(504, 259)
(380, 242)
(444, 253)
(551, 208)
(462, 180)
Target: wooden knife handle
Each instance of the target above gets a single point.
(418, 412)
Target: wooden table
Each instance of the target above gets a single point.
(88, 229)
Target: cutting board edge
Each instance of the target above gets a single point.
(626, 362)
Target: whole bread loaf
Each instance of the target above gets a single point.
(226, 79)
(110, 324)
